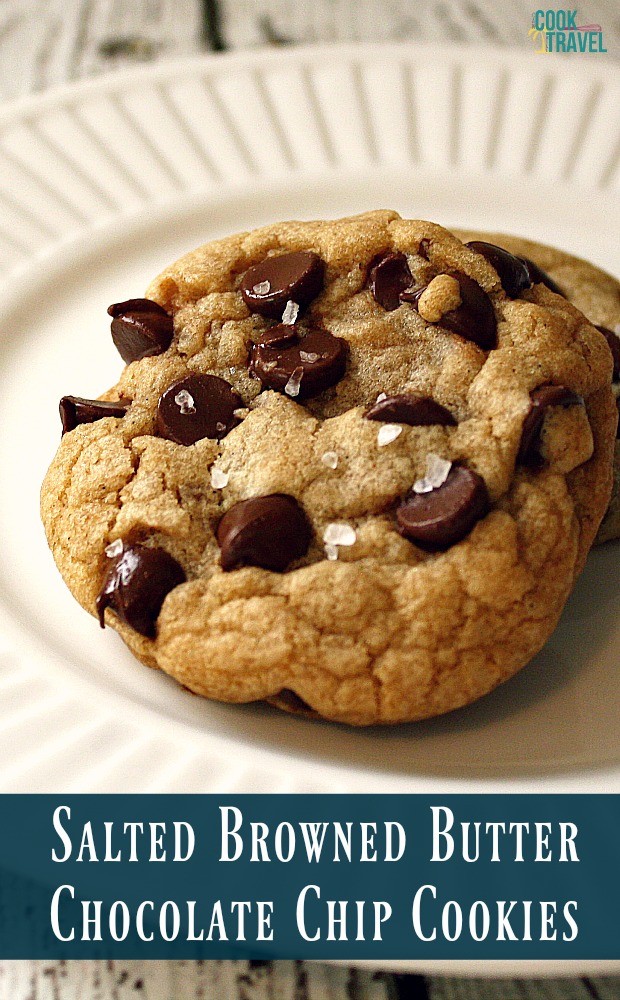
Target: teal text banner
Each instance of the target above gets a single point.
(307, 876)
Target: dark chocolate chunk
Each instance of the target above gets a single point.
(512, 271)
(197, 406)
(444, 516)
(388, 276)
(412, 295)
(282, 333)
(474, 319)
(424, 248)
(302, 368)
(75, 410)
(140, 329)
(136, 305)
(538, 276)
(613, 340)
(296, 277)
(135, 586)
(541, 400)
(270, 532)
(410, 408)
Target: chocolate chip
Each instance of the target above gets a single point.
(270, 532)
(541, 400)
(135, 587)
(304, 367)
(282, 333)
(296, 277)
(512, 271)
(424, 248)
(474, 319)
(136, 305)
(538, 276)
(140, 329)
(438, 519)
(195, 407)
(388, 276)
(75, 410)
(410, 408)
(412, 295)
(613, 341)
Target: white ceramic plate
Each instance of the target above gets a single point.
(104, 183)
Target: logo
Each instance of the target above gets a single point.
(558, 31)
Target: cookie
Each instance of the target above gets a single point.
(346, 470)
(597, 295)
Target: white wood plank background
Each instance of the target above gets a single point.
(46, 42)
(187, 980)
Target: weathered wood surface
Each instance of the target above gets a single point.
(44, 42)
(186, 980)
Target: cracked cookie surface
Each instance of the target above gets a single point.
(369, 620)
(597, 295)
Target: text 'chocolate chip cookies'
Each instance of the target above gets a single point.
(352, 467)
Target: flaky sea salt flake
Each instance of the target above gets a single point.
(422, 486)
(185, 402)
(262, 288)
(388, 433)
(437, 470)
(381, 397)
(330, 459)
(309, 357)
(219, 479)
(291, 312)
(292, 386)
(114, 549)
(339, 534)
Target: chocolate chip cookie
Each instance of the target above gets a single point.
(597, 294)
(352, 467)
